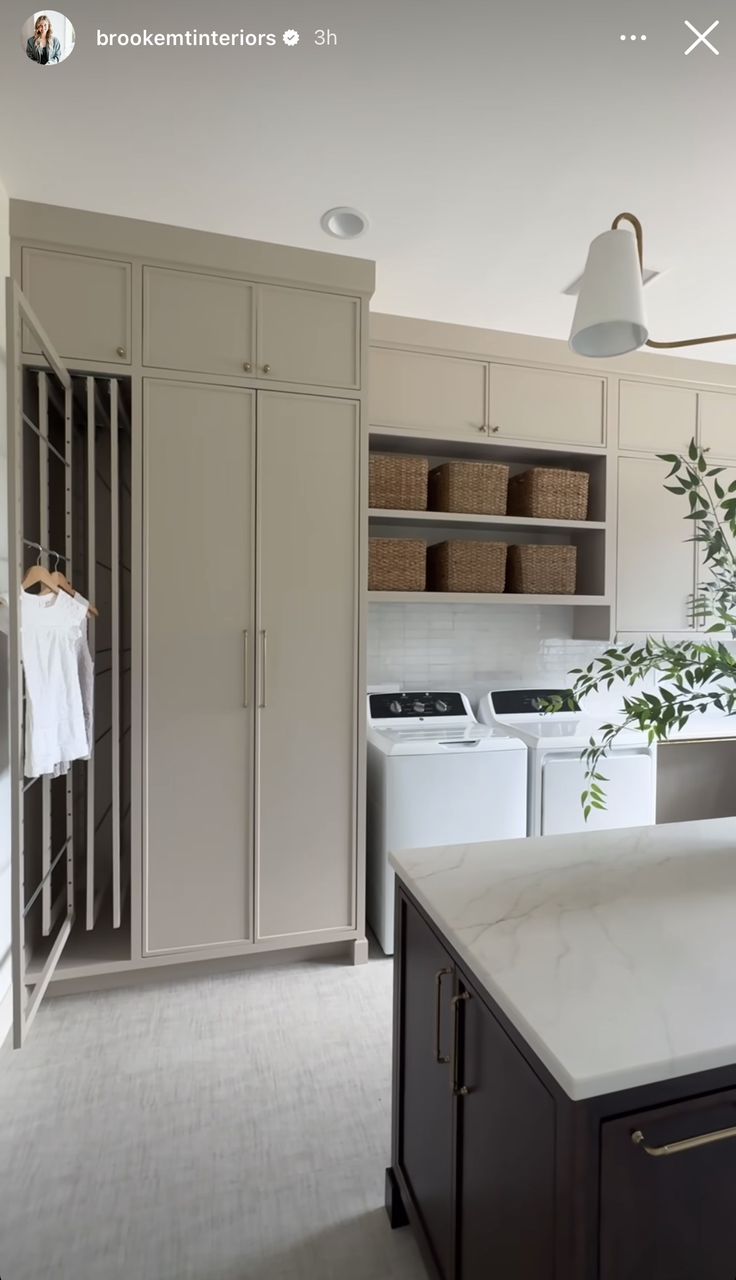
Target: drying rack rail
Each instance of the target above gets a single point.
(65, 486)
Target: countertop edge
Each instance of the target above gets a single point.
(584, 1088)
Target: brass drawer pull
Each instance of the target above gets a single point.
(688, 1144)
(457, 1088)
(439, 1057)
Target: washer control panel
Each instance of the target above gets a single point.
(416, 706)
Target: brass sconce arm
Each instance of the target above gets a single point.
(683, 342)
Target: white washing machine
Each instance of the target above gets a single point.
(435, 776)
(556, 772)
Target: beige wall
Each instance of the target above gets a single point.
(4, 771)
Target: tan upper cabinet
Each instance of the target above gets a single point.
(83, 303)
(201, 323)
(308, 337)
(198, 323)
(541, 404)
(718, 423)
(438, 394)
(656, 418)
(656, 563)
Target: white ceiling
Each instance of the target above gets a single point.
(487, 143)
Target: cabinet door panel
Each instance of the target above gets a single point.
(198, 323)
(726, 478)
(309, 337)
(669, 1217)
(655, 418)
(198, 450)
(656, 563)
(718, 423)
(540, 404)
(506, 1192)
(425, 1103)
(418, 392)
(83, 304)
(308, 535)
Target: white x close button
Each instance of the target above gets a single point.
(702, 37)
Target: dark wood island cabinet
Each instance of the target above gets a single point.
(503, 1176)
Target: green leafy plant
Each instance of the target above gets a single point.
(693, 676)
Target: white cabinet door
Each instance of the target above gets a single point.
(437, 394)
(84, 303)
(655, 418)
(307, 612)
(198, 323)
(540, 404)
(718, 423)
(727, 477)
(308, 337)
(656, 563)
(198, 444)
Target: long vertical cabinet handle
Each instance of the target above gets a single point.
(457, 1088)
(439, 1057)
(246, 664)
(264, 671)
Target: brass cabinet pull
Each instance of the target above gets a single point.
(688, 1144)
(247, 366)
(483, 429)
(457, 1089)
(245, 668)
(121, 351)
(439, 1057)
(495, 430)
(262, 702)
(266, 368)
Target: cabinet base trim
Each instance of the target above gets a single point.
(397, 1214)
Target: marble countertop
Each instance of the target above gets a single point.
(613, 953)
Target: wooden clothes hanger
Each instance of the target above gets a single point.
(55, 581)
(63, 582)
(37, 574)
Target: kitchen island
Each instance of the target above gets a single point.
(564, 1095)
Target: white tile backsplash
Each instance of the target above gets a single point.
(472, 646)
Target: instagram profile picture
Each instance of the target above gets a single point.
(47, 37)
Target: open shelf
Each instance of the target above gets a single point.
(445, 519)
(462, 597)
(85, 950)
(485, 448)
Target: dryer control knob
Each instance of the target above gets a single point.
(395, 708)
(419, 708)
(440, 706)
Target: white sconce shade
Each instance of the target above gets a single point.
(609, 317)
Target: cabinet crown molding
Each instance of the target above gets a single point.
(89, 232)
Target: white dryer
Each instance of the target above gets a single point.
(435, 777)
(555, 741)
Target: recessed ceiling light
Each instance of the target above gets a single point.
(343, 222)
(647, 275)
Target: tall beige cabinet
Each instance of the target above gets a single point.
(199, 593)
(242, 368)
(251, 668)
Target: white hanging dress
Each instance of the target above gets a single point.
(53, 630)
